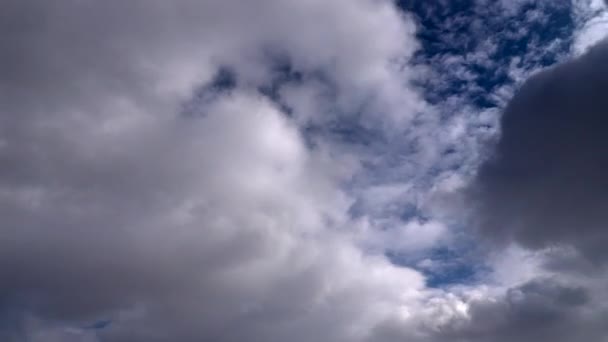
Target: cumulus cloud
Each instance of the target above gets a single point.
(180, 172)
(219, 223)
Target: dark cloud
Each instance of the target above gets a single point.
(543, 309)
(545, 183)
(544, 187)
(540, 310)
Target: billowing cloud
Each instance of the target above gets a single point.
(220, 223)
(229, 171)
(591, 17)
(538, 310)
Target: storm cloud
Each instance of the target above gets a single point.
(545, 182)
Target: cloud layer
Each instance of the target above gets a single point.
(219, 223)
(269, 171)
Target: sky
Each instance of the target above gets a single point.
(306, 170)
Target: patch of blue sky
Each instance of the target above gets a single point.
(470, 44)
(223, 81)
(476, 53)
(452, 268)
(445, 265)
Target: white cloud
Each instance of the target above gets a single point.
(591, 17)
(220, 225)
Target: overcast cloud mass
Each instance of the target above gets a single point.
(276, 170)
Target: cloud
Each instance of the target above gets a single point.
(591, 17)
(538, 310)
(159, 180)
(222, 223)
(544, 183)
(541, 192)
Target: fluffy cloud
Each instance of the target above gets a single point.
(182, 171)
(592, 21)
(220, 222)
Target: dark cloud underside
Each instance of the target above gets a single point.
(546, 181)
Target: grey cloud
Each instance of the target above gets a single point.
(543, 187)
(545, 184)
(540, 310)
(223, 226)
(543, 309)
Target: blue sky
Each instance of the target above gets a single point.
(471, 45)
(478, 54)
